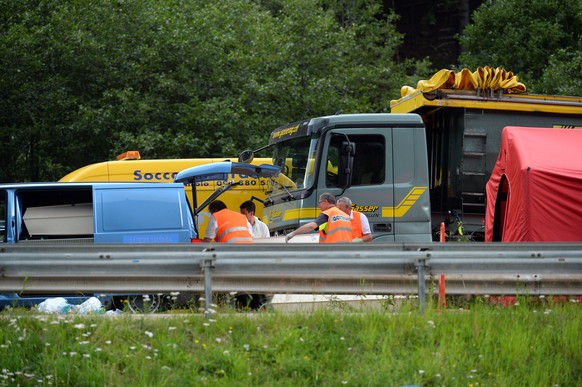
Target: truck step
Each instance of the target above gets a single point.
(474, 154)
(473, 194)
(475, 134)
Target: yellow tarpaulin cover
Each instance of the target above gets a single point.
(485, 78)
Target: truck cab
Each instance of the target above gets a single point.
(378, 160)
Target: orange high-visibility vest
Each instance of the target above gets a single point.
(356, 224)
(339, 227)
(231, 227)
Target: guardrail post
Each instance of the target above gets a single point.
(442, 300)
(207, 266)
(443, 232)
(421, 285)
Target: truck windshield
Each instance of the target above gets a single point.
(297, 158)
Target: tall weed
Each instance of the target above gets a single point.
(482, 345)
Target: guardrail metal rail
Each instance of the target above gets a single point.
(369, 269)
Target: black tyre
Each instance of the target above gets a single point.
(146, 303)
(252, 301)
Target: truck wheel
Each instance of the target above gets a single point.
(146, 303)
(187, 301)
(253, 301)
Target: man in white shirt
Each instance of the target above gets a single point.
(360, 224)
(260, 229)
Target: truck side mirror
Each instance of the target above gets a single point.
(348, 151)
(246, 156)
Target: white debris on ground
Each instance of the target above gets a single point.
(59, 305)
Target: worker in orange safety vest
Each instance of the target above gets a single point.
(227, 226)
(360, 225)
(334, 225)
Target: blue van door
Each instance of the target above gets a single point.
(142, 213)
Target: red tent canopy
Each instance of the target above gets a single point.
(534, 193)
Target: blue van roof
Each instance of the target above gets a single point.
(60, 185)
(221, 170)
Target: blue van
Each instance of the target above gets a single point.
(45, 213)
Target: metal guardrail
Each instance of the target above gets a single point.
(469, 268)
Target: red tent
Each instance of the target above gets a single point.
(534, 193)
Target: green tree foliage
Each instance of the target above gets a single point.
(83, 81)
(539, 40)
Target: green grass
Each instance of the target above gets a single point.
(482, 345)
